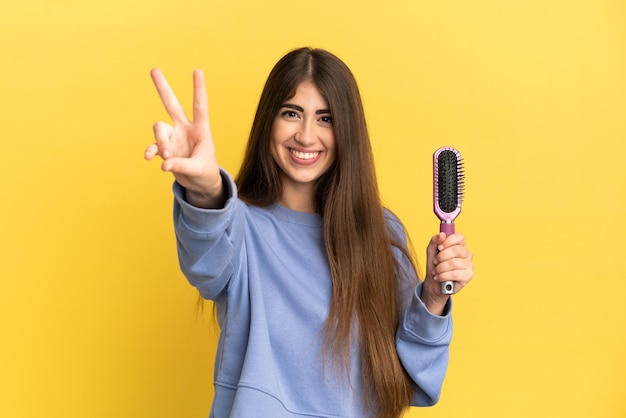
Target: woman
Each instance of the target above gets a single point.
(320, 308)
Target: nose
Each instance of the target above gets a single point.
(306, 133)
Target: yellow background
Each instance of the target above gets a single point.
(97, 321)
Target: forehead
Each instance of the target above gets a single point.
(307, 90)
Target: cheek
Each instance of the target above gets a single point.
(278, 134)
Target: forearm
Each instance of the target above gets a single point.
(206, 239)
(422, 344)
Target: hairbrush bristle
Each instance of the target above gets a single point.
(450, 180)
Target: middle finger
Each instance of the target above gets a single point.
(455, 251)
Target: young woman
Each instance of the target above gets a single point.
(320, 308)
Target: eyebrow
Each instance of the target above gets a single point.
(300, 109)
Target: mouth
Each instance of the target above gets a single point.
(307, 156)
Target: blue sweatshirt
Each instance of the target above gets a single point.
(267, 271)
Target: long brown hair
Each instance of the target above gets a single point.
(364, 271)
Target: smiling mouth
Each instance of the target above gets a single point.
(304, 155)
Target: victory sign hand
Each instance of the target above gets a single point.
(187, 147)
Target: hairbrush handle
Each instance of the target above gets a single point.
(447, 287)
(447, 228)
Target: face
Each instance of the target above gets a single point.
(303, 140)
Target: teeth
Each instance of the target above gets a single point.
(305, 155)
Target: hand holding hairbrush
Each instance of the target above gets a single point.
(448, 185)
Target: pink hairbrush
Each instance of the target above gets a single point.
(448, 193)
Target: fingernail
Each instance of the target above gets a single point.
(440, 247)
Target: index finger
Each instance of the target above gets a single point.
(454, 239)
(450, 241)
(200, 101)
(171, 103)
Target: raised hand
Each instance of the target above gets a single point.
(187, 147)
(447, 259)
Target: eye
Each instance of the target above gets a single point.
(289, 114)
(327, 119)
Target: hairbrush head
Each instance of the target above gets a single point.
(448, 183)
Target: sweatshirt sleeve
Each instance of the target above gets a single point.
(423, 343)
(208, 239)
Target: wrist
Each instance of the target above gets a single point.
(213, 198)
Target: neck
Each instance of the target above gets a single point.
(300, 199)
